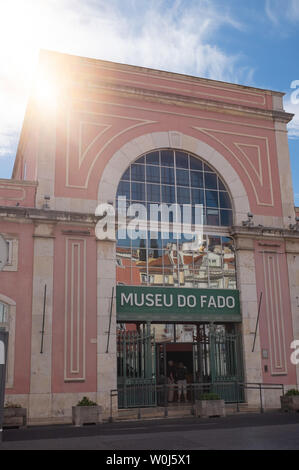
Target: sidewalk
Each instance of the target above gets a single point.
(153, 433)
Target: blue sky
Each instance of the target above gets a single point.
(252, 43)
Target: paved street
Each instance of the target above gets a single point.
(252, 431)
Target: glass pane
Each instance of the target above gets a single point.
(224, 200)
(183, 195)
(123, 240)
(167, 158)
(168, 278)
(185, 334)
(164, 333)
(182, 177)
(141, 160)
(137, 172)
(197, 196)
(216, 280)
(138, 191)
(195, 164)
(155, 276)
(210, 181)
(153, 193)
(230, 280)
(168, 194)
(214, 243)
(201, 279)
(226, 218)
(212, 198)
(155, 249)
(228, 255)
(197, 179)
(208, 168)
(126, 175)
(153, 174)
(167, 175)
(123, 273)
(215, 257)
(181, 160)
(221, 185)
(228, 245)
(123, 189)
(185, 258)
(212, 217)
(153, 158)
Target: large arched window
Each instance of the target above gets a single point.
(175, 177)
(171, 176)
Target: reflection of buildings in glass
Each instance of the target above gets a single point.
(166, 262)
(164, 333)
(185, 333)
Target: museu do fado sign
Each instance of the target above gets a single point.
(134, 303)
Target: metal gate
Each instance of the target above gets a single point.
(217, 362)
(136, 375)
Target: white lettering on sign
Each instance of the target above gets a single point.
(2, 353)
(230, 302)
(125, 299)
(191, 300)
(150, 299)
(212, 303)
(146, 300)
(181, 301)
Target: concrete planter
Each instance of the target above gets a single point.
(209, 408)
(289, 403)
(15, 417)
(86, 415)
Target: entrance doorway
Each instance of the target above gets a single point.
(212, 357)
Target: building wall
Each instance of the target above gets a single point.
(16, 293)
(106, 116)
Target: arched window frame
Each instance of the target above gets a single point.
(213, 194)
(203, 167)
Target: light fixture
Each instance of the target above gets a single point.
(249, 221)
(45, 204)
(295, 227)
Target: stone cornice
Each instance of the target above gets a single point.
(267, 233)
(15, 182)
(46, 215)
(182, 100)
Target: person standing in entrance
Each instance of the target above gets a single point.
(171, 377)
(181, 381)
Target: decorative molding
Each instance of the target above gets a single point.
(117, 164)
(209, 132)
(10, 198)
(138, 123)
(75, 310)
(274, 312)
(180, 78)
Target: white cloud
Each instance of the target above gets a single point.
(278, 10)
(178, 38)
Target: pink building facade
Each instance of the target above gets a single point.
(71, 157)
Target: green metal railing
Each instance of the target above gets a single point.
(136, 368)
(194, 393)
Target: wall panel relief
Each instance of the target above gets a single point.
(75, 310)
(275, 316)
